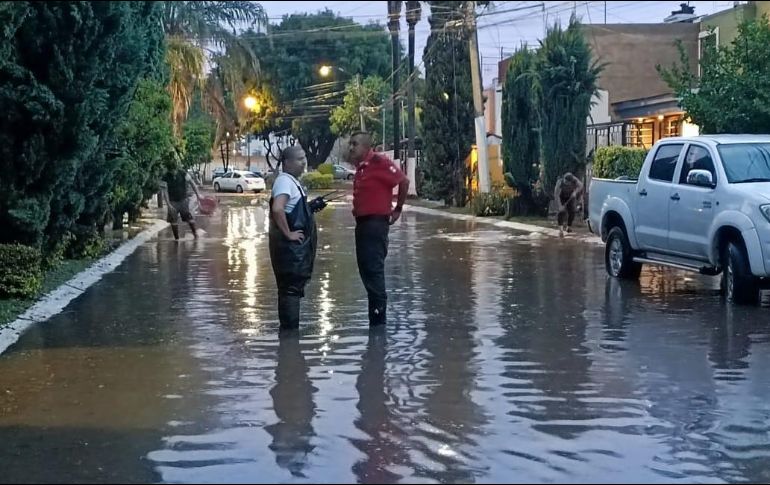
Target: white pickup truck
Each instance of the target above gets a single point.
(700, 204)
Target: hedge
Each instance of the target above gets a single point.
(20, 271)
(316, 180)
(493, 203)
(617, 161)
(326, 169)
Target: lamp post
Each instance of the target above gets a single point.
(252, 104)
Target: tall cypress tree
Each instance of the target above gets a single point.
(66, 79)
(521, 125)
(568, 77)
(447, 117)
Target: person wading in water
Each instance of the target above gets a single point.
(293, 236)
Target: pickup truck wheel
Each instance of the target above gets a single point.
(738, 284)
(618, 258)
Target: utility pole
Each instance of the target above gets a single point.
(394, 16)
(360, 102)
(478, 100)
(384, 145)
(248, 150)
(413, 14)
(605, 13)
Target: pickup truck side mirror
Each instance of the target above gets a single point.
(701, 178)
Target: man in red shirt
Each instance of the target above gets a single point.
(376, 175)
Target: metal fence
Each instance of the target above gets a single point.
(606, 134)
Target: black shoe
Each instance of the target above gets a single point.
(288, 311)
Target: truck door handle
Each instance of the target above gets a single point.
(675, 197)
(643, 192)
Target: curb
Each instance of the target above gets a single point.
(518, 226)
(55, 301)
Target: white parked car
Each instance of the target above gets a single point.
(700, 204)
(343, 173)
(239, 181)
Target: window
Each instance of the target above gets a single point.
(664, 163)
(708, 40)
(251, 176)
(228, 175)
(697, 158)
(236, 175)
(672, 126)
(640, 135)
(746, 162)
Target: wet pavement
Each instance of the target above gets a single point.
(508, 358)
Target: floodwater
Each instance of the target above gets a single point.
(507, 358)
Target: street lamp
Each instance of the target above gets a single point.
(325, 71)
(251, 103)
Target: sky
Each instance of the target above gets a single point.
(501, 29)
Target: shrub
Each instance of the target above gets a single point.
(326, 169)
(88, 244)
(316, 180)
(20, 271)
(616, 161)
(492, 204)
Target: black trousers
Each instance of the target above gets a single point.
(570, 209)
(371, 250)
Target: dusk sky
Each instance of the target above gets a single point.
(499, 28)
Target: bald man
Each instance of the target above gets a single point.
(373, 184)
(293, 237)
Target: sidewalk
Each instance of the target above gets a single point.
(73, 277)
(524, 224)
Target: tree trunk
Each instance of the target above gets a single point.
(117, 220)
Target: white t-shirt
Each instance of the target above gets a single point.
(286, 184)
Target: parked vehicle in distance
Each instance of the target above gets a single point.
(219, 172)
(239, 181)
(699, 204)
(343, 173)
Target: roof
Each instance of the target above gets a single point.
(724, 139)
(648, 106)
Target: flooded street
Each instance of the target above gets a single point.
(507, 358)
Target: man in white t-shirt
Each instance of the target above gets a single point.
(292, 237)
(287, 185)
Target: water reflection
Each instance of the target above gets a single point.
(383, 448)
(293, 404)
(506, 359)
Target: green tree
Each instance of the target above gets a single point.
(198, 139)
(60, 114)
(367, 99)
(145, 145)
(568, 79)
(732, 94)
(269, 121)
(447, 116)
(521, 125)
(290, 59)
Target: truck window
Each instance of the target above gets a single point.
(664, 164)
(697, 158)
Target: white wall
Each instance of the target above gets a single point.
(600, 112)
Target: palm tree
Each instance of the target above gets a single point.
(195, 28)
(394, 19)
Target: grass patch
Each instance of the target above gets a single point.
(11, 308)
